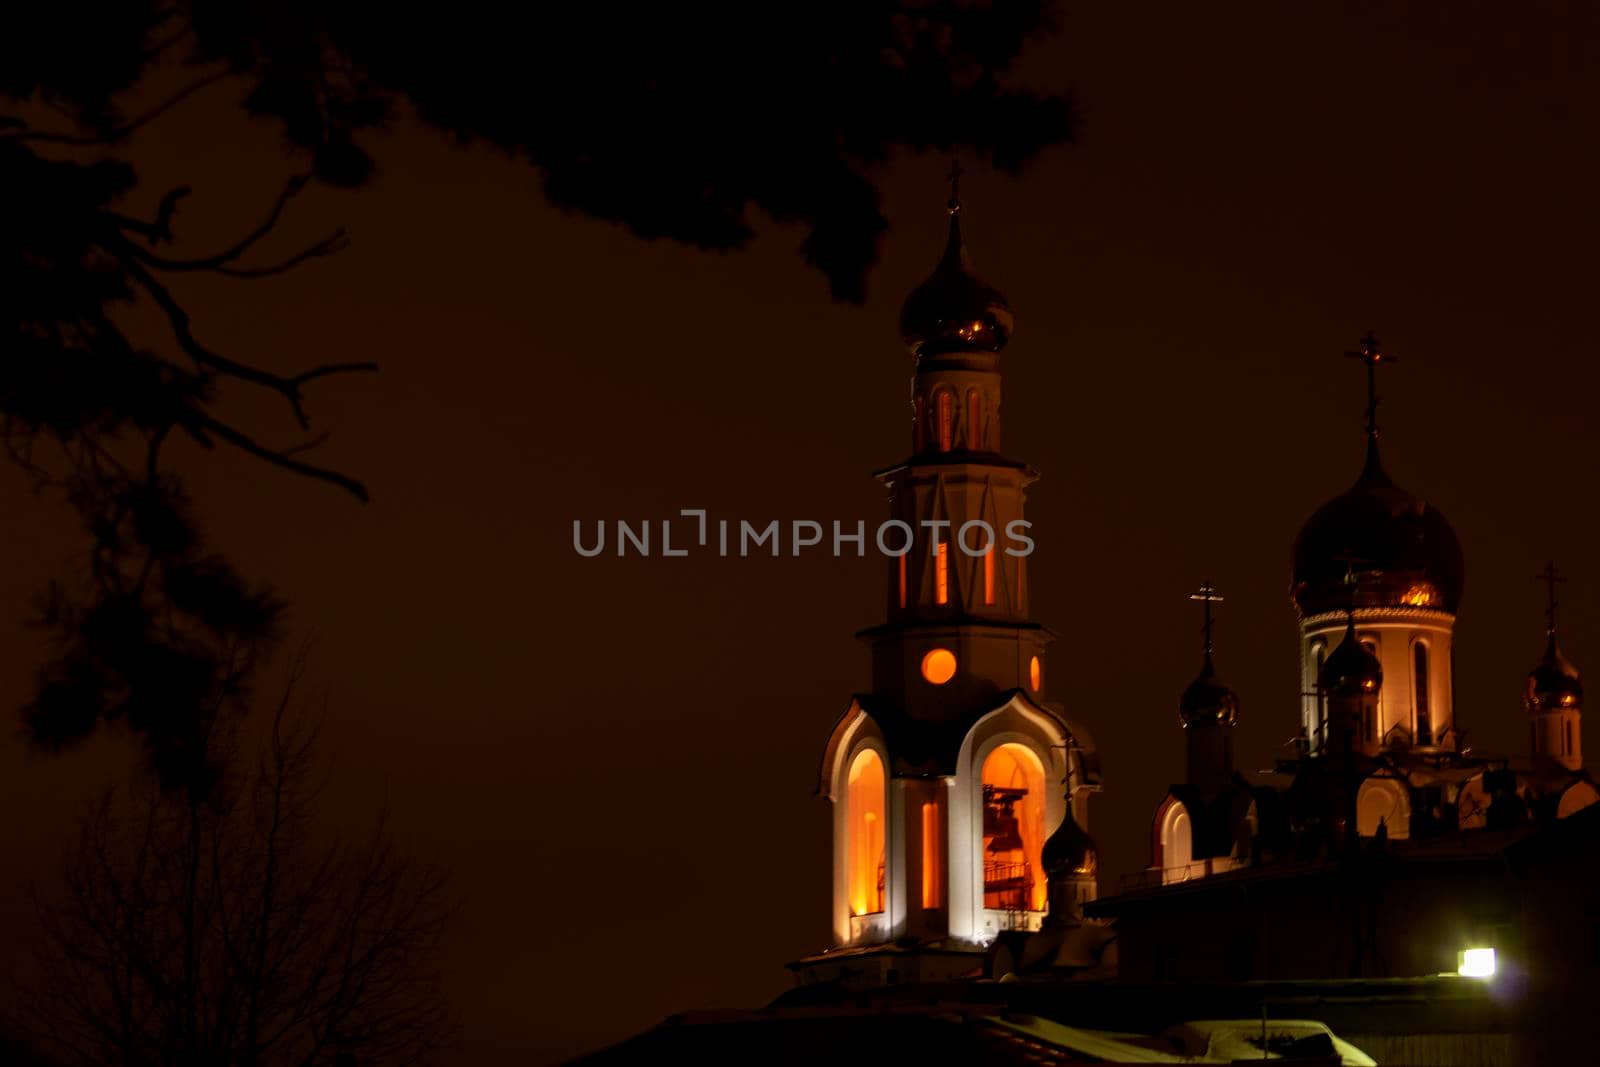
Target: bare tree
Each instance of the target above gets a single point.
(230, 927)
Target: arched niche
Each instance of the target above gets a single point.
(866, 829)
(1383, 800)
(1578, 795)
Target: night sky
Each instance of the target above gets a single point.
(617, 756)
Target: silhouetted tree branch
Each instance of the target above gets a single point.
(232, 928)
(687, 123)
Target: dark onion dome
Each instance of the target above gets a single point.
(1208, 700)
(1405, 553)
(1554, 684)
(953, 310)
(1350, 669)
(1070, 850)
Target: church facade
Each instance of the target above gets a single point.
(959, 788)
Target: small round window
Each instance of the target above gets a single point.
(939, 666)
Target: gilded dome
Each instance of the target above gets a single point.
(1351, 669)
(1554, 684)
(1208, 700)
(953, 310)
(1401, 548)
(1070, 850)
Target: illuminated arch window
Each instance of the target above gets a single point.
(974, 420)
(1035, 674)
(900, 567)
(1013, 830)
(939, 666)
(1177, 845)
(864, 834)
(946, 414)
(988, 575)
(932, 847)
(1420, 668)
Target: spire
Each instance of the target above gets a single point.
(1554, 683)
(1207, 700)
(1371, 354)
(1207, 595)
(1550, 576)
(955, 251)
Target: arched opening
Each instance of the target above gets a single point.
(1177, 845)
(1035, 674)
(988, 575)
(1419, 667)
(1383, 800)
(864, 830)
(974, 420)
(946, 414)
(941, 570)
(1578, 796)
(1013, 830)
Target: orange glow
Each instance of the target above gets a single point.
(902, 569)
(941, 575)
(974, 421)
(988, 575)
(939, 666)
(1020, 871)
(1421, 595)
(930, 856)
(946, 415)
(1034, 673)
(864, 834)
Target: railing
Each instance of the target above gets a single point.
(1186, 872)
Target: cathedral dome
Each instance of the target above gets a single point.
(953, 310)
(1208, 700)
(1554, 684)
(1070, 850)
(1351, 670)
(1402, 548)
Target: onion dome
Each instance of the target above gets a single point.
(1351, 669)
(1554, 684)
(953, 310)
(1070, 850)
(1403, 550)
(1207, 700)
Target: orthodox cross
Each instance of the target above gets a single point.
(1207, 595)
(955, 185)
(1371, 355)
(1550, 576)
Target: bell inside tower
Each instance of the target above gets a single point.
(1007, 880)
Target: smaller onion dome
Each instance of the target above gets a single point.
(1208, 700)
(1351, 669)
(953, 310)
(1070, 850)
(1554, 684)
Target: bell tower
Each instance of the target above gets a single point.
(950, 773)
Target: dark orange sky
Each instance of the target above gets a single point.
(617, 756)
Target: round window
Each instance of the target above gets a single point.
(939, 666)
